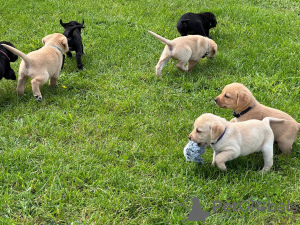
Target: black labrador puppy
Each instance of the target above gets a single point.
(192, 23)
(73, 34)
(6, 57)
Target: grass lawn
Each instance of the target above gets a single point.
(105, 146)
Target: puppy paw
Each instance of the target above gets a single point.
(158, 74)
(265, 169)
(38, 98)
(262, 172)
(222, 167)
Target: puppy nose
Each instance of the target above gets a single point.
(216, 100)
(190, 138)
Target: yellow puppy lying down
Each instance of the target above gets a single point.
(231, 140)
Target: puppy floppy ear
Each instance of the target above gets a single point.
(243, 99)
(64, 42)
(216, 129)
(46, 39)
(214, 50)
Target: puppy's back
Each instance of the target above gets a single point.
(251, 125)
(251, 135)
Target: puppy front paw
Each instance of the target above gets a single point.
(222, 166)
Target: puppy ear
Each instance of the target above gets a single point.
(216, 129)
(45, 39)
(243, 99)
(214, 50)
(64, 43)
(61, 23)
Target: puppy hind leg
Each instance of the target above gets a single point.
(285, 146)
(267, 151)
(21, 85)
(35, 84)
(164, 59)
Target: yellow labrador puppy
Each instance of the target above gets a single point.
(231, 140)
(239, 98)
(186, 49)
(41, 65)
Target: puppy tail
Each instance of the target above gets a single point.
(70, 33)
(162, 39)
(272, 119)
(18, 52)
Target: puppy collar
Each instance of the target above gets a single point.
(5, 55)
(220, 136)
(237, 115)
(56, 48)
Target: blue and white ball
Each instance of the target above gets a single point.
(193, 152)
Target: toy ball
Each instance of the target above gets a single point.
(193, 152)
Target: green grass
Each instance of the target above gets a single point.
(105, 146)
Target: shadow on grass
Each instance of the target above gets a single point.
(242, 165)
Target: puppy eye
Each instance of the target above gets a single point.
(198, 131)
(226, 96)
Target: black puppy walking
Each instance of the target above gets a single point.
(73, 34)
(192, 23)
(6, 57)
